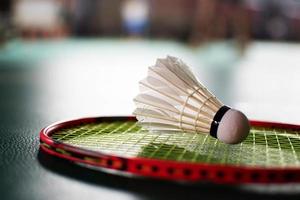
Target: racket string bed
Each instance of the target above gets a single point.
(87, 137)
(139, 142)
(293, 150)
(199, 148)
(239, 155)
(127, 144)
(73, 134)
(263, 147)
(297, 146)
(159, 143)
(282, 158)
(183, 144)
(269, 154)
(170, 150)
(115, 140)
(211, 153)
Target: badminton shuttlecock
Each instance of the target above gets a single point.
(172, 99)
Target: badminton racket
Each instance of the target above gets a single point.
(270, 154)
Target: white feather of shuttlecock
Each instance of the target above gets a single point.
(172, 99)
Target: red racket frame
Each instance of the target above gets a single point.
(165, 169)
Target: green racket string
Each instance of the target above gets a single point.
(265, 147)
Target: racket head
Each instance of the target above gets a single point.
(119, 144)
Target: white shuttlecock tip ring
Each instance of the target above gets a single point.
(229, 126)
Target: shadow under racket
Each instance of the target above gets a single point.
(150, 188)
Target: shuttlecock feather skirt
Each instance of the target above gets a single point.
(172, 99)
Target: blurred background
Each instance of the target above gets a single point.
(91, 54)
(187, 21)
(62, 59)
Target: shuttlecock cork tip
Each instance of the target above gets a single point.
(233, 127)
